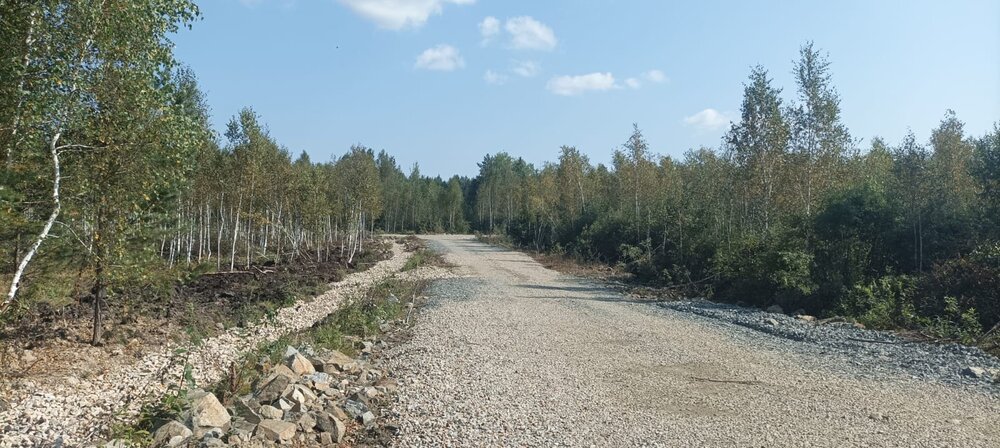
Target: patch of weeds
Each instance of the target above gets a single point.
(363, 316)
(424, 257)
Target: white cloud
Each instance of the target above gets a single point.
(575, 85)
(492, 77)
(633, 83)
(442, 57)
(526, 69)
(526, 33)
(399, 14)
(707, 120)
(489, 28)
(656, 76)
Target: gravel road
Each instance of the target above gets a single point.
(513, 354)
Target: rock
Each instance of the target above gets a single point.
(306, 422)
(166, 433)
(242, 409)
(974, 372)
(338, 413)
(328, 423)
(338, 362)
(370, 392)
(176, 441)
(805, 318)
(367, 347)
(220, 326)
(284, 405)
(879, 417)
(270, 412)
(28, 357)
(299, 364)
(955, 421)
(777, 309)
(214, 433)
(299, 394)
(289, 352)
(207, 413)
(355, 408)
(368, 419)
(275, 383)
(275, 430)
(771, 321)
(320, 378)
(325, 439)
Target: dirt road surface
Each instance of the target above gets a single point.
(513, 354)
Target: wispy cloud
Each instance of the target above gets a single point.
(576, 85)
(655, 76)
(442, 58)
(494, 78)
(526, 33)
(398, 14)
(526, 69)
(707, 120)
(489, 28)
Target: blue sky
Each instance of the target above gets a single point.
(444, 82)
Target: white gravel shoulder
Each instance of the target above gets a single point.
(80, 410)
(509, 353)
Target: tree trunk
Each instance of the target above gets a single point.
(15, 283)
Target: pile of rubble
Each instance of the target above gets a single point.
(310, 399)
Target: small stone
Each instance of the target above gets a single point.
(368, 419)
(370, 392)
(166, 433)
(355, 408)
(338, 413)
(176, 441)
(290, 351)
(270, 412)
(955, 421)
(771, 321)
(28, 357)
(974, 372)
(806, 318)
(276, 430)
(220, 326)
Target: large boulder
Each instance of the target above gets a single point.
(276, 430)
(243, 409)
(326, 422)
(270, 412)
(275, 383)
(171, 434)
(207, 413)
(338, 362)
(299, 364)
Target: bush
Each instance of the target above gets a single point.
(883, 303)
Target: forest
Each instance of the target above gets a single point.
(114, 183)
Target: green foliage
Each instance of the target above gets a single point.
(883, 303)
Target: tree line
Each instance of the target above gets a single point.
(790, 210)
(113, 182)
